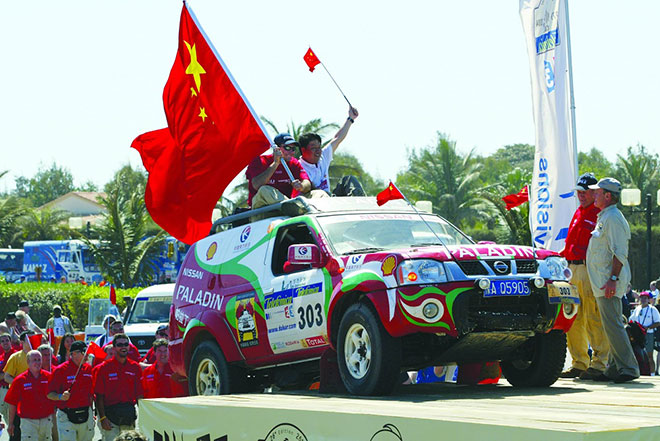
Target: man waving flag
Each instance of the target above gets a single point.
(212, 134)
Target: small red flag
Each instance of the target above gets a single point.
(95, 350)
(311, 59)
(389, 194)
(113, 295)
(515, 199)
(35, 340)
(212, 134)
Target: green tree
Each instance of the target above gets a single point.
(313, 126)
(639, 169)
(46, 185)
(447, 178)
(594, 161)
(346, 164)
(506, 159)
(43, 224)
(129, 239)
(127, 181)
(11, 209)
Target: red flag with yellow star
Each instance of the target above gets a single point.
(212, 134)
(311, 59)
(389, 194)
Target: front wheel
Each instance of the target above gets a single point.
(540, 363)
(369, 358)
(209, 372)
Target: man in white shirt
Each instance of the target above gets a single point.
(653, 292)
(648, 316)
(24, 306)
(316, 160)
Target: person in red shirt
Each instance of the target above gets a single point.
(71, 388)
(28, 398)
(6, 350)
(118, 387)
(268, 182)
(150, 357)
(158, 380)
(117, 327)
(587, 329)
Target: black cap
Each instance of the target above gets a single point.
(23, 303)
(10, 316)
(585, 181)
(78, 346)
(284, 139)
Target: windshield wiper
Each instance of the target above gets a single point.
(426, 244)
(365, 250)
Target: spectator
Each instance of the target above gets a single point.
(627, 299)
(118, 387)
(48, 360)
(17, 363)
(65, 348)
(648, 316)
(161, 333)
(81, 280)
(118, 328)
(104, 338)
(609, 273)
(316, 160)
(59, 323)
(27, 398)
(71, 388)
(24, 306)
(21, 322)
(5, 353)
(268, 182)
(10, 324)
(21, 279)
(653, 291)
(158, 380)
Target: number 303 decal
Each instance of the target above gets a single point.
(310, 316)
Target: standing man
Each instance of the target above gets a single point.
(118, 387)
(5, 352)
(158, 380)
(17, 362)
(316, 160)
(117, 327)
(24, 306)
(268, 182)
(648, 316)
(587, 328)
(71, 389)
(163, 332)
(609, 273)
(59, 323)
(27, 398)
(653, 292)
(10, 323)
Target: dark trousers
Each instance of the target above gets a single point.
(349, 186)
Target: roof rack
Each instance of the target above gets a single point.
(291, 207)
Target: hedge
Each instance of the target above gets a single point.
(72, 297)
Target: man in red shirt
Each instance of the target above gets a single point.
(157, 379)
(587, 329)
(268, 182)
(163, 332)
(28, 397)
(117, 327)
(72, 390)
(118, 387)
(5, 351)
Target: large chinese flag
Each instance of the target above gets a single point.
(212, 134)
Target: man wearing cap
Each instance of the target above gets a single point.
(158, 380)
(118, 386)
(609, 273)
(587, 328)
(648, 316)
(268, 182)
(316, 160)
(17, 363)
(10, 323)
(104, 338)
(60, 324)
(6, 350)
(24, 306)
(28, 398)
(163, 332)
(71, 389)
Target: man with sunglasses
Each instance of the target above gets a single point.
(71, 388)
(117, 327)
(268, 182)
(118, 387)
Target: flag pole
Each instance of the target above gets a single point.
(570, 85)
(333, 80)
(418, 214)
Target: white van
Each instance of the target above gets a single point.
(149, 310)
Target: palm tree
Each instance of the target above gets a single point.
(445, 177)
(11, 210)
(312, 126)
(44, 224)
(130, 241)
(639, 169)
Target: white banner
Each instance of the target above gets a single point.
(555, 162)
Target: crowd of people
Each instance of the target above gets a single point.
(61, 392)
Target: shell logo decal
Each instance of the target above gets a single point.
(211, 251)
(388, 265)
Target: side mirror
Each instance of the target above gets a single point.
(305, 254)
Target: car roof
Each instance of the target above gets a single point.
(166, 289)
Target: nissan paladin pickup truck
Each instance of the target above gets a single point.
(385, 287)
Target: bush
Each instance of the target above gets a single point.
(73, 298)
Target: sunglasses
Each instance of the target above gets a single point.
(121, 345)
(288, 148)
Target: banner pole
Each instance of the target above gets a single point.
(570, 85)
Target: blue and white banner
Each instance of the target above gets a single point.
(555, 162)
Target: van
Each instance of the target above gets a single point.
(149, 310)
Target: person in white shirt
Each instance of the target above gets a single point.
(24, 306)
(316, 160)
(653, 291)
(648, 316)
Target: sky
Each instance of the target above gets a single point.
(81, 79)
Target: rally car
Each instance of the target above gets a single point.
(389, 289)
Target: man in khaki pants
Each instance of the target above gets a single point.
(587, 330)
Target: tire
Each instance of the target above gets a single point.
(210, 374)
(369, 358)
(542, 364)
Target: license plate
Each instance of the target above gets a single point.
(504, 288)
(563, 292)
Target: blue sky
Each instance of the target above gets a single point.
(81, 79)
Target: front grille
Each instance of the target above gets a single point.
(502, 268)
(143, 342)
(527, 266)
(472, 268)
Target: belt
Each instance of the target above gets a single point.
(576, 262)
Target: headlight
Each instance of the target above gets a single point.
(558, 268)
(421, 271)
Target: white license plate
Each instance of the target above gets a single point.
(562, 292)
(505, 288)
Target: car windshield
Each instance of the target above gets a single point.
(363, 233)
(11, 261)
(150, 310)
